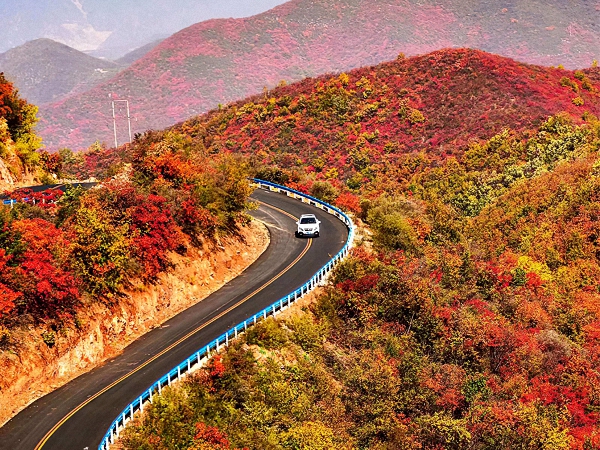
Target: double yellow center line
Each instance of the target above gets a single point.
(175, 344)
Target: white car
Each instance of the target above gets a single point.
(308, 225)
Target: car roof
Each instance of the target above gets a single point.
(307, 215)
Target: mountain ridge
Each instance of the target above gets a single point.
(222, 60)
(111, 29)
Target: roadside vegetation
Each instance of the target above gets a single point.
(471, 320)
(59, 253)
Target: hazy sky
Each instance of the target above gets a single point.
(111, 28)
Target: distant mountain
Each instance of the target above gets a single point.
(46, 71)
(111, 28)
(218, 61)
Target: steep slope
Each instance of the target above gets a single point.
(218, 61)
(473, 322)
(46, 71)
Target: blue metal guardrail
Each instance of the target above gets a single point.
(198, 359)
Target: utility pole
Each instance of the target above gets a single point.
(115, 119)
(114, 123)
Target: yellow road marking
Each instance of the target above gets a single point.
(175, 344)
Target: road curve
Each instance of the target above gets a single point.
(78, 414)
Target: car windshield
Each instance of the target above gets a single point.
(305, 220)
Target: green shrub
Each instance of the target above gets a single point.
(310, 436)
(306, 332)
(267, 334)
(5, 336)
(388, 218)
(323, 190)
(567, 82)
(441, 430)
(49, 338)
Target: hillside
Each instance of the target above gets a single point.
(468, 316)
(219, 61)
(377, 116)
(438, 103)
(47, 71)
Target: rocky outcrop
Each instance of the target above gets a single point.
(7, 180)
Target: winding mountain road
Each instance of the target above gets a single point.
(77, 415)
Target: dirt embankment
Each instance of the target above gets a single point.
(7, 180)
(34, 368)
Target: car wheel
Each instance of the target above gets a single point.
(296, 233)
(316, 234)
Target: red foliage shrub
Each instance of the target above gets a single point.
(348, 202)
(211, 435)
(7, 295)
(216, 368)
(156, 233)
(47, 288)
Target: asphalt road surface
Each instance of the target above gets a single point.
(77, 415)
